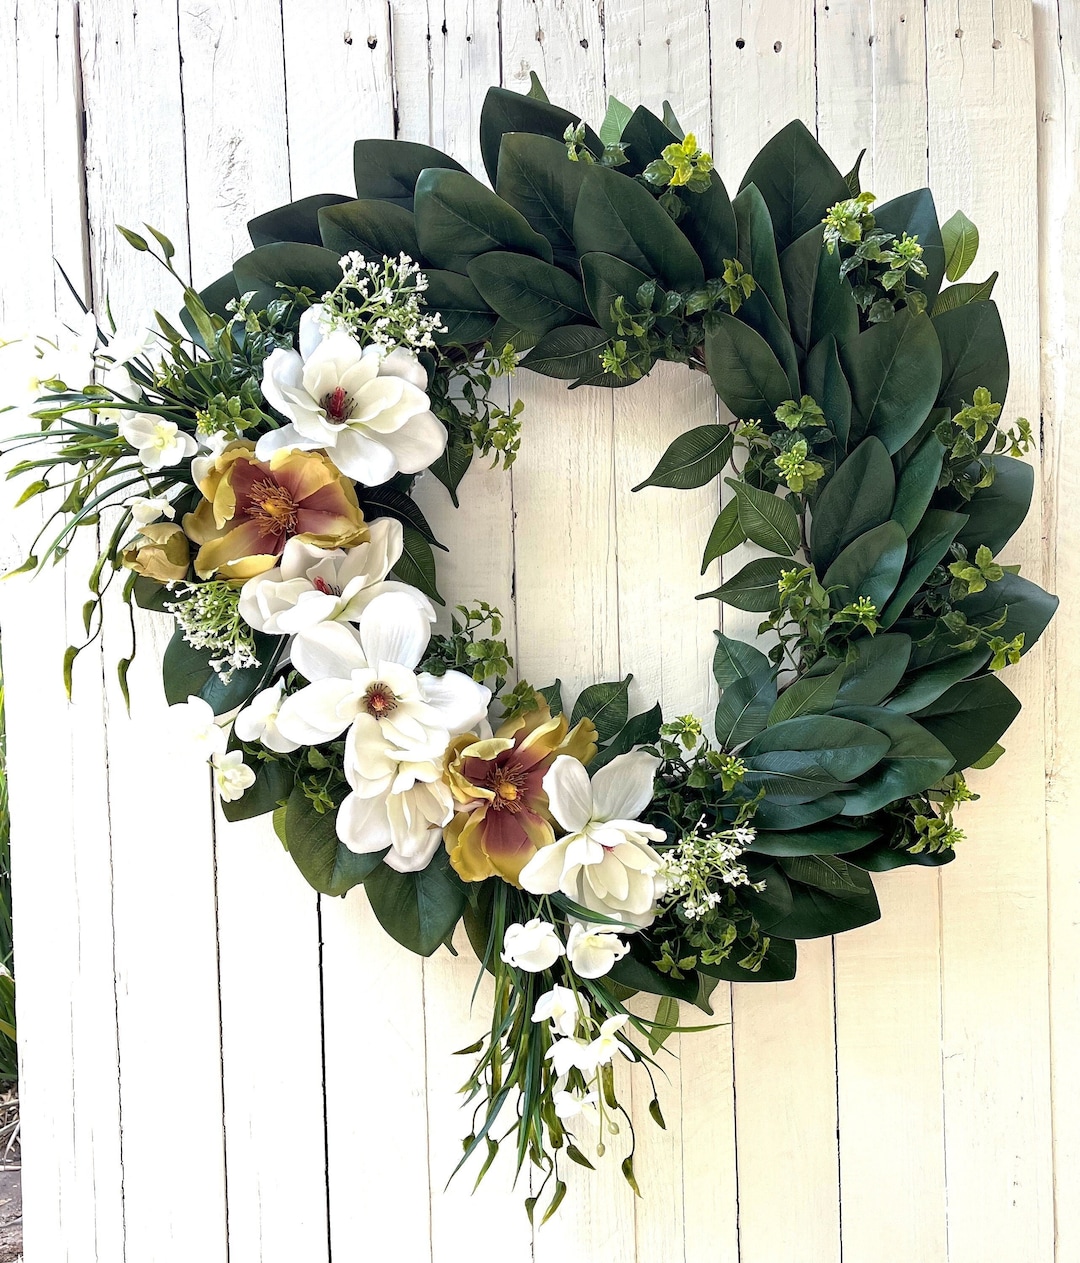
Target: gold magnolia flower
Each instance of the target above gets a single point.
(504, 819)
(251, 508)
(161, 551)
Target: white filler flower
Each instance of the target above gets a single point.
(560, 1007)
(369, 410)
(605, 862)
(194, 724)
(534, 946)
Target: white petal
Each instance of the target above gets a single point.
(282, 369)
(460, 702)
(394, 629)
(320, 712)
(287, 437)
(543, 873)
(402, 362)
(327, 651)
(363, 825)
(310, 332)
(363, 459)
(418, 443)
(569, 793)
(373, 560)
(623, 788)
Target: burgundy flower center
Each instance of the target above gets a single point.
(337, 405)
(273, 507)
(507, 784)
(320, 585)
(380, 700)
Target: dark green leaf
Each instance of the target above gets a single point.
(835, 840)
(798, 181)
(823, 872)
(766, 519)
(858, 497)
(808, 695)
(827, 385)
(539, 180)
(777, 966)
(416, 565)
(816, 913)
(757, 246)
(708, 221)
(925, 686)
(643, 729)
(693, 459)
(645, 137)
(388, 169)
(725, 535)
(736, 660)
(618, 216)
(757, 312)
(917, 483)
(820, 302)
(797, 815)
(1028, 608)
(457, 218)
(285, 263)
(754, 587)
(743, 709)
(997, 512)
(505, 111)
(467, 317)
(553, 696)
(926, 548)
(772, 904)
(528, 292)
(971, 717)
(568, 353)
(745, 372)
(272, 787)
(878, 666)
(187, 673)
(973, 354)
(605, 704)
(454, 464)
(419, 910)
(843, 748)
(326, 864)
(915, 214)
(870, 566)
(894, 369)
(377, 229)
(297, 221)
(607, 278)
(966, 292)
(915, 760)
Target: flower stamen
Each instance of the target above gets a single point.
(337, 405)
(274, 508)
(380, 700)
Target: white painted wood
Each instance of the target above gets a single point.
(315, 1116)
(1057, 61)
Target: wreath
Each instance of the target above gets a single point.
(257, 466)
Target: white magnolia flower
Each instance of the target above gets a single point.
(158, 442)
(320, 585)
(195, 723)
(593, 950)
(570, 1103)
(232, 775)
(605, 862)
(534, 946)
(399, 723)
(28, 361)
(114, 358)
(147, 509)
(368, 409)
(258, 721)
(560, 1007)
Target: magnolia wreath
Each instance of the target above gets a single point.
(260, 460)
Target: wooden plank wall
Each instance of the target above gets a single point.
(218, 1065)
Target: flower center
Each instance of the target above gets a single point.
(507, 784)
(380, 700)
(337, 405)
(273, 508)
(320, 585)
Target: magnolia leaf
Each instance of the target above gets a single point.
(744, 370)
(914, 760)
(960, 238)
(810, 694)
(743, 709)
(416, 565)
(966, 292)
(606, 705)
(736, 660)
(754, 588)
(457, 219)
(296, 221)
(389, 169)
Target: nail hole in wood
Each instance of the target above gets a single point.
(372, 41)
(348, 37)
(777, 46)
(740, 42)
